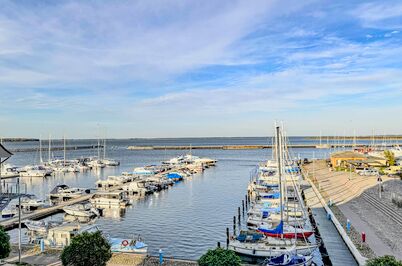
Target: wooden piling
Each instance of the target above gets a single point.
(227, 237)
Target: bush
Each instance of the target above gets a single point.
(219, 257)
(384, 261)
(87, 249)
(5, 247)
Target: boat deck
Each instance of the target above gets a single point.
(338, 251)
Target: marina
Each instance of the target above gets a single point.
(162, 203)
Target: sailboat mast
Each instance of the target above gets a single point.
(40, 149)
(50, 136)
(98, 148)
(104, 148)
(64, 142)
(279, 160)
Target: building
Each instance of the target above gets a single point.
(337, 158)
(356, 160)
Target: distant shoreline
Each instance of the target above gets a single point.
(377, 137)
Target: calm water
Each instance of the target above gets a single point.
(184, 220)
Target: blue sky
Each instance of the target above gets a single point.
(200, 68)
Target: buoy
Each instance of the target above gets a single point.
(124, 243)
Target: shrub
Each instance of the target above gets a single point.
(87, 249)
(384, 261)
(219, 257)
(5, 247)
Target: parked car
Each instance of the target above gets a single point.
(367, 171)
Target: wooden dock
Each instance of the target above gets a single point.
(41, 213)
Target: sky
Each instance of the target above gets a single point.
(183, 68)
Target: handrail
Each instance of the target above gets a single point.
(352, 248)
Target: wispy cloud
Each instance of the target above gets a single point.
(132, 62)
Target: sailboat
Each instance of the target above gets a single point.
(282, 235)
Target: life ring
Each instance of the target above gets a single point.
(124, 243)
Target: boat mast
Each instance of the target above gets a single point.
(64, 137)
(104, 148)
(40, 149)
(279, 158)
(49, 147)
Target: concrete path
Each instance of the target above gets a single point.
(379, 247)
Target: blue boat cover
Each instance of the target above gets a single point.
(276, 230)
(174, 175)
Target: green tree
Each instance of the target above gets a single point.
(87, 249)
(219, 257)
(5, 247)
(390, 157)
(384, 261)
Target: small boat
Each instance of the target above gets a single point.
(81, 210)
(122, 245)
(9, 212)
(34, 171)
(110, 162)
(40, 226)
(31, 203)
(64, 192)
(290, 260)
(8, 171)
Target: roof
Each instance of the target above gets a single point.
(348, 154)
(4, 153)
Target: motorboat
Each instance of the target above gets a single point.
(64, 192)
(9, 212)
(31, 203)
(40, 226)
(8, 171)
(81, 210)
(110, 162)
(34, 171)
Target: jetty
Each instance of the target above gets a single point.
(42, 213)
(249, 147)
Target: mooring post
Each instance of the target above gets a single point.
(238, 213)
(219, 244)
(242, 204)
(246, 201)
(227, 237)
(234, 225)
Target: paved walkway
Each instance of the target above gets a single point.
(340, 187)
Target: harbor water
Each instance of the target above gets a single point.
(185, 220)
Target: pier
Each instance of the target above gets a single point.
(42, 213)
(248, 147)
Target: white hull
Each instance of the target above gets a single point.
(268, 251)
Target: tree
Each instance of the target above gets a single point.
(384, 261)
(219, 257)
(87, 249)
(389, 155)
(5, 247)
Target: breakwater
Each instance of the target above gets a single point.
(246, 147)
(60, 148)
